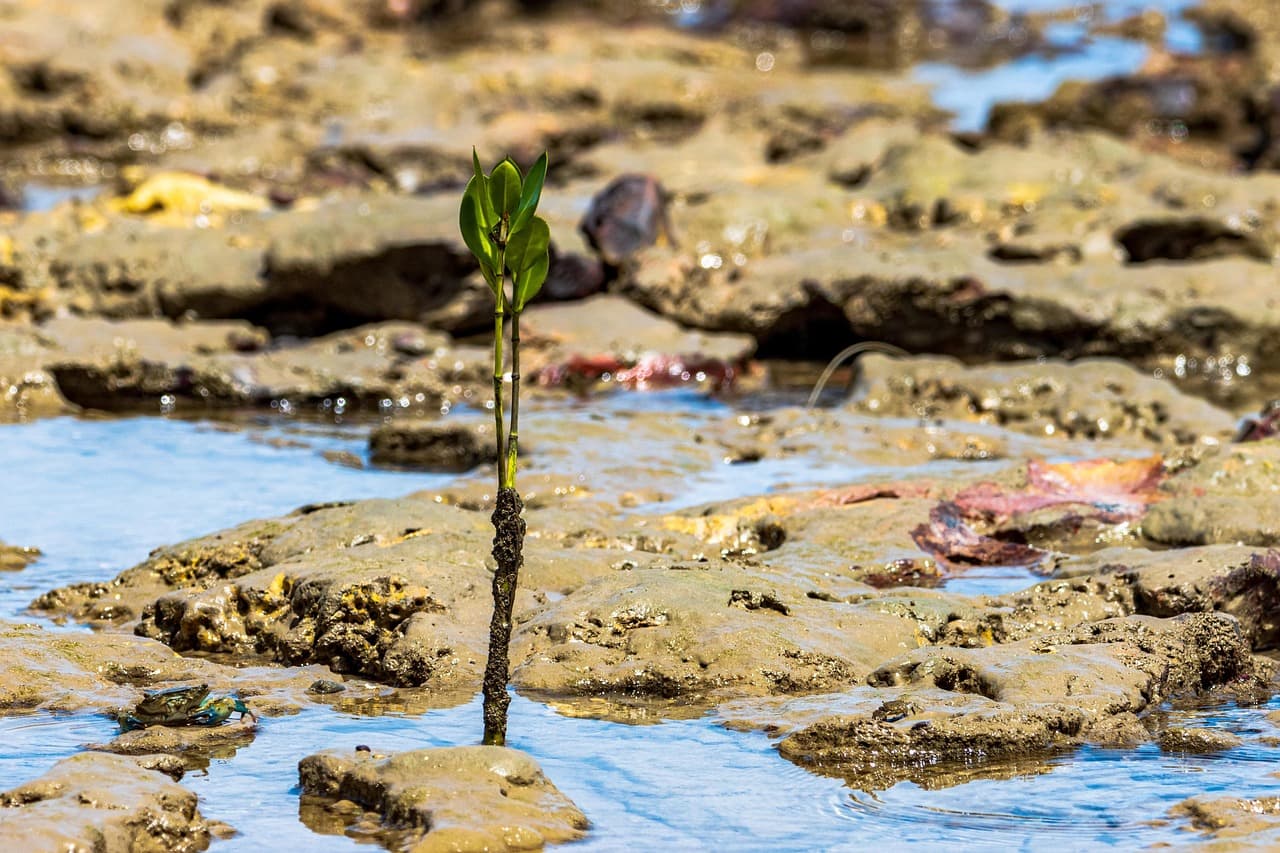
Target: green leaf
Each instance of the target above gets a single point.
(524, 245)
(530, 194)
(531, 281)
(528, 258)
(474, 232)
(488, 218)
(504, 190)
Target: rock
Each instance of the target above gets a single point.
(433, 445)
(923, 262)
(1201, 107)
(1197, 740)
(14, 558)
(150, 364)
(104, 364)
(627, 215)
(620, 328)
(323, 686)
(60, 672)
(1235, 822)
(457, 798)
(611, 339)
(338, 264)
(676, 634)
(1225, 578)
(195, 746)
(27, 389)
(980, 708)
(1092, 398)
(1226, 496)
(397, 591)
(94, 801)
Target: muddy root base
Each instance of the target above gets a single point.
(508, 545)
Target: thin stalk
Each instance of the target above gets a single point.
(508, 538)
(497, 363)
(513, 436)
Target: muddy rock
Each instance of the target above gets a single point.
(458, 798)
(806, 538)
(1122, 581)
(13, 558)
(339, 263)
(1093, 399)
(395, 590)
(938, 716)
(1233, 823)
(94, 801)
(379, 588)
(194, 746)
(433, 445)
(1197, 740)
(948, 251)
(149, 364)
(1227, 496)
(1212, 104)
(612, 325)
(272, 100)
(1229, 579)
(107, 672)
(104, 364)
(27, 389)
(611, 339)
(693, 633)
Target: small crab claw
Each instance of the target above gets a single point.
(246, 712)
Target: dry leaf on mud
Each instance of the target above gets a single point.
(1114, 491)
(950, 538)
(1099, 490)
(873, 491)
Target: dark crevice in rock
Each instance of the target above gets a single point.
(815, 332)
(1186, 240)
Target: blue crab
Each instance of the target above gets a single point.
(187, 705)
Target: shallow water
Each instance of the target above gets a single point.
(39, 197)
(1073, 55)
(97, 495)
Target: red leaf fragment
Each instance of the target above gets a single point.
(873, 491)
(949, 538)
(650, 371)
(1094, 490)
(1113, 491)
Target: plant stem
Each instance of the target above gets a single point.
(513, 440)
(508, 545)
(499, 301)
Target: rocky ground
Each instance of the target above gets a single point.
(266, 220)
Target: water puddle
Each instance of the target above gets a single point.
(38, 197)
(1072, 53)
(30, 744)
(97, 496)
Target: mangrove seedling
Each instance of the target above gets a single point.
(500, 226)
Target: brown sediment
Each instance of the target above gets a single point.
(508, 547)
